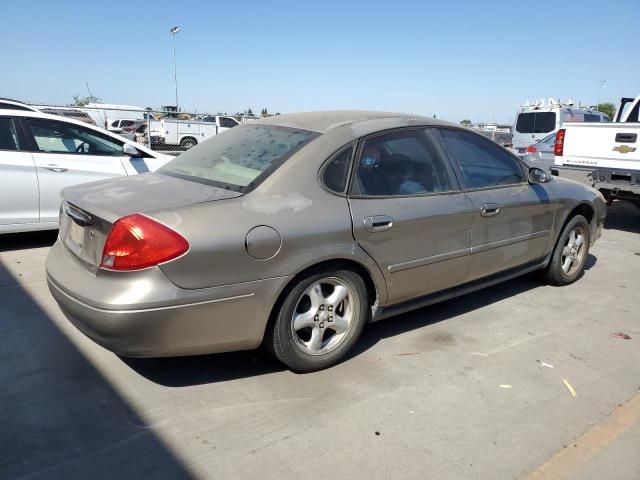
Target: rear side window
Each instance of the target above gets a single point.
(8, 135)
(402, 163)
(536, 122)
(336, 174)
(483, 164)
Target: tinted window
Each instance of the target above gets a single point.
(126, 123)
(483, 163)
(239, 158)
(227, 122)
(336, 174)
(403, 163)
(61, 137)
(634, 115)
(8, 135)
(536, 122)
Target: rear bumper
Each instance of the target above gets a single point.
(143, 314)
(618, 181)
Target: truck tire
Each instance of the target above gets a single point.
(188, 142)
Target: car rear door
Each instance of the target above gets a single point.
(19, 192)
(67, 154)
(513, 219)
(409, 214)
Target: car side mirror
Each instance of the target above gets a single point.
(538, 175)
(130, 150)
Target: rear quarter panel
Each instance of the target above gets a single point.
(314, 226)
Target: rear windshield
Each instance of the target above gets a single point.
(536, 122)
(239, 158)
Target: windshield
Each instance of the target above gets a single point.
(536, 122)
(240, 158)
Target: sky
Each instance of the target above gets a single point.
(455, 59)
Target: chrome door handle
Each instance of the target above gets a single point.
(378, 223)
(490, 209)
(56, 169)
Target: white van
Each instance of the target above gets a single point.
(536, 121)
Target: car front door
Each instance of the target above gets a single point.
(409, 214)
(19, 192)
(513, 219)
(67, 154)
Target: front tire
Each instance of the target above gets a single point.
(570, 254)
(319, 320)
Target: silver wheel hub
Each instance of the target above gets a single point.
(574, 251)
(323, 316)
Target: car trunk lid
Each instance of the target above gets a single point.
(88, 211)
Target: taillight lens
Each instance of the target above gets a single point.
(558, 147)
(532, 149)
(136, 242)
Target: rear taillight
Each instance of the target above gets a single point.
(532, 149)
(558, 147)
(136, 242)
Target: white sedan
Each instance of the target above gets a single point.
(41, 154)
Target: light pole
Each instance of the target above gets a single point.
(173, 32)
(602, 83)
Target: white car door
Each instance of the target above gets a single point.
(19, 192)
(67, 154)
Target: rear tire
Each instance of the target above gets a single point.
(320, 319)
(570, 254)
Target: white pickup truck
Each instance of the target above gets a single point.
(605, 155)
(171, 133)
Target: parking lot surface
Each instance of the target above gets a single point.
(456, 390)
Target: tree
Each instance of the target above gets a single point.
(609, 109)
(264, 112)
(249, 113)
(465, 122)
(79, 101)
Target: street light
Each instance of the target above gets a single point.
(173, 32)
(602, 83)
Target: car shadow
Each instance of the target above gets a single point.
(59, 416)
(22, 241)
(443, 311)
(203, 369)
(624, 216)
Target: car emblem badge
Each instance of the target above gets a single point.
(624, 149)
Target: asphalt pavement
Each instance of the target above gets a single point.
(463, 389)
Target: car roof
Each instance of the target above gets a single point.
(19, 105)
(325, 121)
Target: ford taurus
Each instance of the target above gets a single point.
(297, 230)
